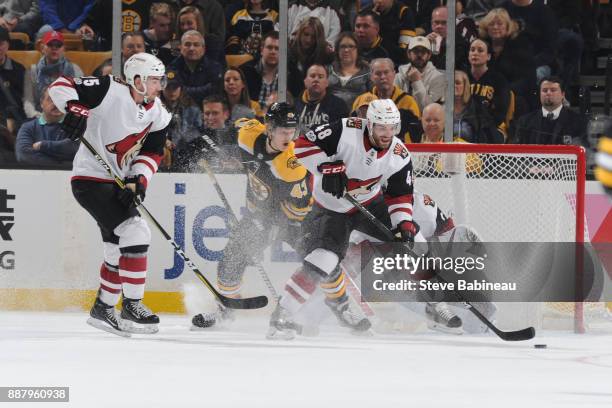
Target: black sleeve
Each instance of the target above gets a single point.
(402, 182)
(327, 136)
(92, 90)
(156, 141)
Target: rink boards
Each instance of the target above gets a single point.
(50, 256)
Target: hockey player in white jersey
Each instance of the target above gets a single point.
(127, 125)
(357, 157)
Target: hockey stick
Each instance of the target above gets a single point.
(518, 335)
(233, 219)
(248, 303)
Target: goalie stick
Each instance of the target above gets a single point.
(233, 219)
(517, 335)
(247, 303)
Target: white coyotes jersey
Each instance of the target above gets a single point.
(366, 167)
(117, 127)
(429, 217)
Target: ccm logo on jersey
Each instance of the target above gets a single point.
(333, 169)
(400, 150)
(78, 110)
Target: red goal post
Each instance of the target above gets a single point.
(490, 187)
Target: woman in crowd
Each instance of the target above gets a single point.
(237, 94)
(308, 47)
(512, 56)
(490, 90)
(349, 74)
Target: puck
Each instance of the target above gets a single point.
(540, 346)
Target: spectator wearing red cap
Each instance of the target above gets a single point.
(52, 64)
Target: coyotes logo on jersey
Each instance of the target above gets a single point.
(128, 147)
(400, 150)
(356, 187)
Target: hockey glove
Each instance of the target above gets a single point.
(406, 231)
(134, 191)
(334, 178)
(75, 121)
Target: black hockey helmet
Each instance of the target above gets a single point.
(281, 114)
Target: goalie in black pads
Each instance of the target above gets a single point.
(127, 124)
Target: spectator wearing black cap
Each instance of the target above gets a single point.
(11, 87)
(553, 123)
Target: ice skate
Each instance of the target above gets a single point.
(137, 318)
(357, 322)
(207, 320)
(282, 326)
(441, 318)
(104, 317)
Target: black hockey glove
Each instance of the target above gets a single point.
(334, 178)
(134, 191)
(406, 231)
(75, 121)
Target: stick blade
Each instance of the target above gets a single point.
(519, 335)
(256, 302)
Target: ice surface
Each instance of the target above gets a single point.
(237, 367)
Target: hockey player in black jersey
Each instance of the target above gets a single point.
(278, 198)
(127, 125)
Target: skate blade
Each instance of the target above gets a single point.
(275, 334)
(444, 329)
(362, 333)
(131, 327)
(98, 324)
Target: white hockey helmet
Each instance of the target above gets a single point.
(143, 65)
(383, 112)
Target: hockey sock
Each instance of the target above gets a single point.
(334, 287)
(228, 289)
(110, 284)
(133, 271)
(298, 289)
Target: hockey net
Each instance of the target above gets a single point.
(513, 193)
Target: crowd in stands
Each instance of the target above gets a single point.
(517, 64)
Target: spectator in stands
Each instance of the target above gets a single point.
(307, 48)
(52, 65)
(397, 26)
(212, 12)
(432, 122)
(490, 90)
(553, 123)
(477, 9)
(541, 27)
(190, 18)
(186, 115)
(199, 75)
(12, 76)
(237, 94)
(512, 56)
(361, 103)
(66, 16)
(131, 43)
(420, 78)
(367, 32)
(21, 16)
(321, 9)
(160, 32)
(248, 26)
(349, 74)
(42, 141)
(383, 77)
(438, 40)
(106, 68)
(569, 43)
(262, 74)
(472, 123)
(317, 106)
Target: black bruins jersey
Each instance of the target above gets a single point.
(278, 185)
